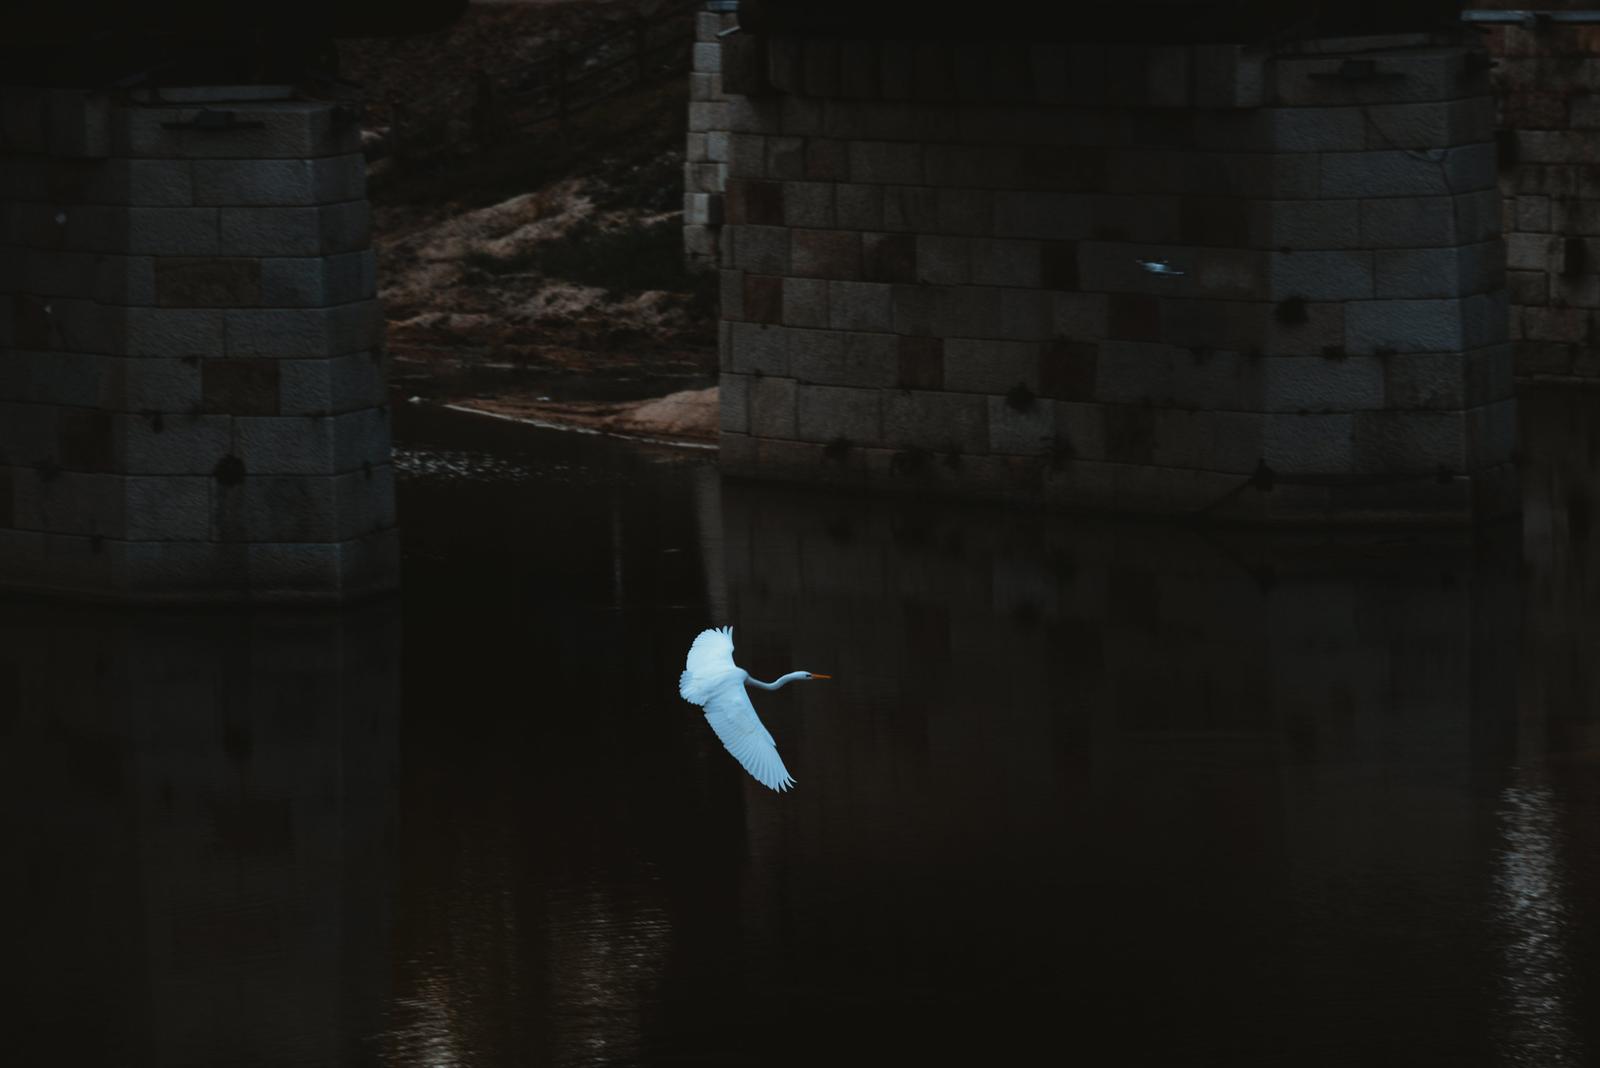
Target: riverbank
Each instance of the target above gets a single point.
(537, 273)
(687, 418)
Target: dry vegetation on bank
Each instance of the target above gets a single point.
(551, 255)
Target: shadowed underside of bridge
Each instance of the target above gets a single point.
(1136, 21)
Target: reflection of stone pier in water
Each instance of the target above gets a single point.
(1547, 809)
(201, 811)
(1562, 523)
(1210, 708)
(1255, 634)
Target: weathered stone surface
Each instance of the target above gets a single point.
(833, 413)
(826, 160)
(755, 347)
(288, 231)
(278, 509)
(920, 363)
(280, 182)
(167, 508)
(189, 282)
(155, 363)
(756, 203)
(155, 231)
(844, 358)
(860, 306)
(990, 366)
(805, 302)
(1321, 383)
(349, 383)
(150, 384)
(1018, 263)
(361, 439)
(1343, 275)
(964, 248)
(1068, 370)
(317, 281)
(72, 379)
(762, 300)
(764, 249)
(300, 332)
(808, 204)
(1028, 430)
(286, 130)
(888, 257)
(940, 422)
(833, 254)
(240, 387)
(178, 444)
(943, 260)
(707, 57)
(733, 392)
(70, 502)
(1309, 444)
(772, 407)
(1405, 326)
(171, 332)
(287, 445)
(53, 273)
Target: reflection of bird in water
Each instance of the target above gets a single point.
(711, 679)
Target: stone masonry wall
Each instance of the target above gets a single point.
(1547, 83)
(192, 397)
(931, 276)
(705, 168)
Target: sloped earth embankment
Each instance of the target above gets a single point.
(541, 276)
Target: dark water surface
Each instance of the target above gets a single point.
(1080, 792)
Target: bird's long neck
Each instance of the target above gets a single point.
(778, 683)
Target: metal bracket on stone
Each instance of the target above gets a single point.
(212, 120)
(1358, 70)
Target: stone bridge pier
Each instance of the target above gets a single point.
(1258, 281)
(192, 394)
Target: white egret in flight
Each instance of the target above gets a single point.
(712, 680)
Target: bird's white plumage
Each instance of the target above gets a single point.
(712, 680)
(709, 661)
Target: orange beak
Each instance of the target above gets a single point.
(817, 676)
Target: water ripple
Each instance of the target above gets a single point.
(1532, 907)
(464, 464)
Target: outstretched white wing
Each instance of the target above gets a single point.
(711, 679)
(708, 665)
(733, 717)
